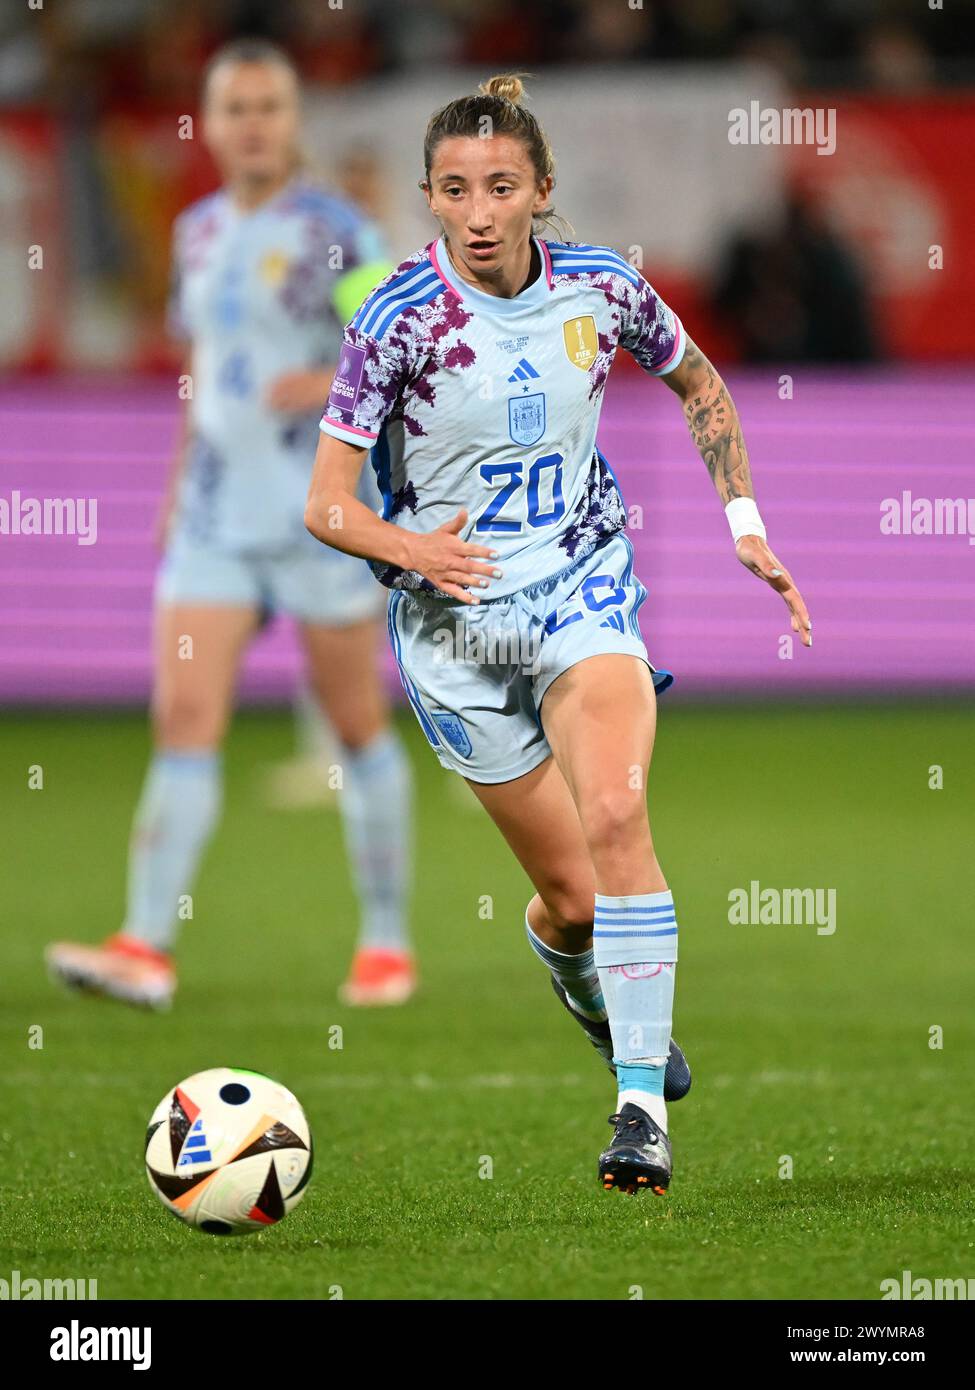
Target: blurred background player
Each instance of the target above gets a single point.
(305, 779)
(266, 271)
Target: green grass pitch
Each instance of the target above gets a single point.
(806, 1045)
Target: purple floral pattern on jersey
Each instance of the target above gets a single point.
(377, 384)
(395, 578)
(423, 386)
(648, 328)
(450, 318)
(599, 370)
(399, 368)
(644, 325)
(460, 355)
(404, 497)
(599, 514)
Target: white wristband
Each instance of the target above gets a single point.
(743, 518)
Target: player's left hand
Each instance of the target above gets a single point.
(755, 555)
(295, 392)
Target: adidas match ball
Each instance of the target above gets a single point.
(229, 1151)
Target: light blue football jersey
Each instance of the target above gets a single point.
(253, 292)
(470, 400)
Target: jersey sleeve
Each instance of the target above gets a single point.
(650, 330)
(368, 381)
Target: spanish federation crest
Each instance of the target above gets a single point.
(526, 418)
(581, 341)
(452, 728)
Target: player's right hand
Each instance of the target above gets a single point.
(452, 564)
(754, 554)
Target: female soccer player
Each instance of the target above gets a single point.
(475, 374)
(266, 272)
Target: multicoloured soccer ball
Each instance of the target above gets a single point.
(229, 1151)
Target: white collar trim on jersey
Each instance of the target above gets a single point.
(536, 293)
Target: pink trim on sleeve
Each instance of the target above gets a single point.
(329, 426)
(680, 342)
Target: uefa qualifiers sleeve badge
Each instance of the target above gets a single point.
(347, 381)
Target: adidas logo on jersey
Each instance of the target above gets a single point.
(523, 372)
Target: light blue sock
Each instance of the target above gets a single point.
(376, 804)
(313, 734)
(635, 946)
(576, 974)
(177, 811)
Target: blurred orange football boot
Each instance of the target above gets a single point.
(379, 976)
(121, 968)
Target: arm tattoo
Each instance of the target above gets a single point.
(715, 428)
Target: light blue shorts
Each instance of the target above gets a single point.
(476, 675)
(310, 582)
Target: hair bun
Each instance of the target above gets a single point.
(507, 85)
